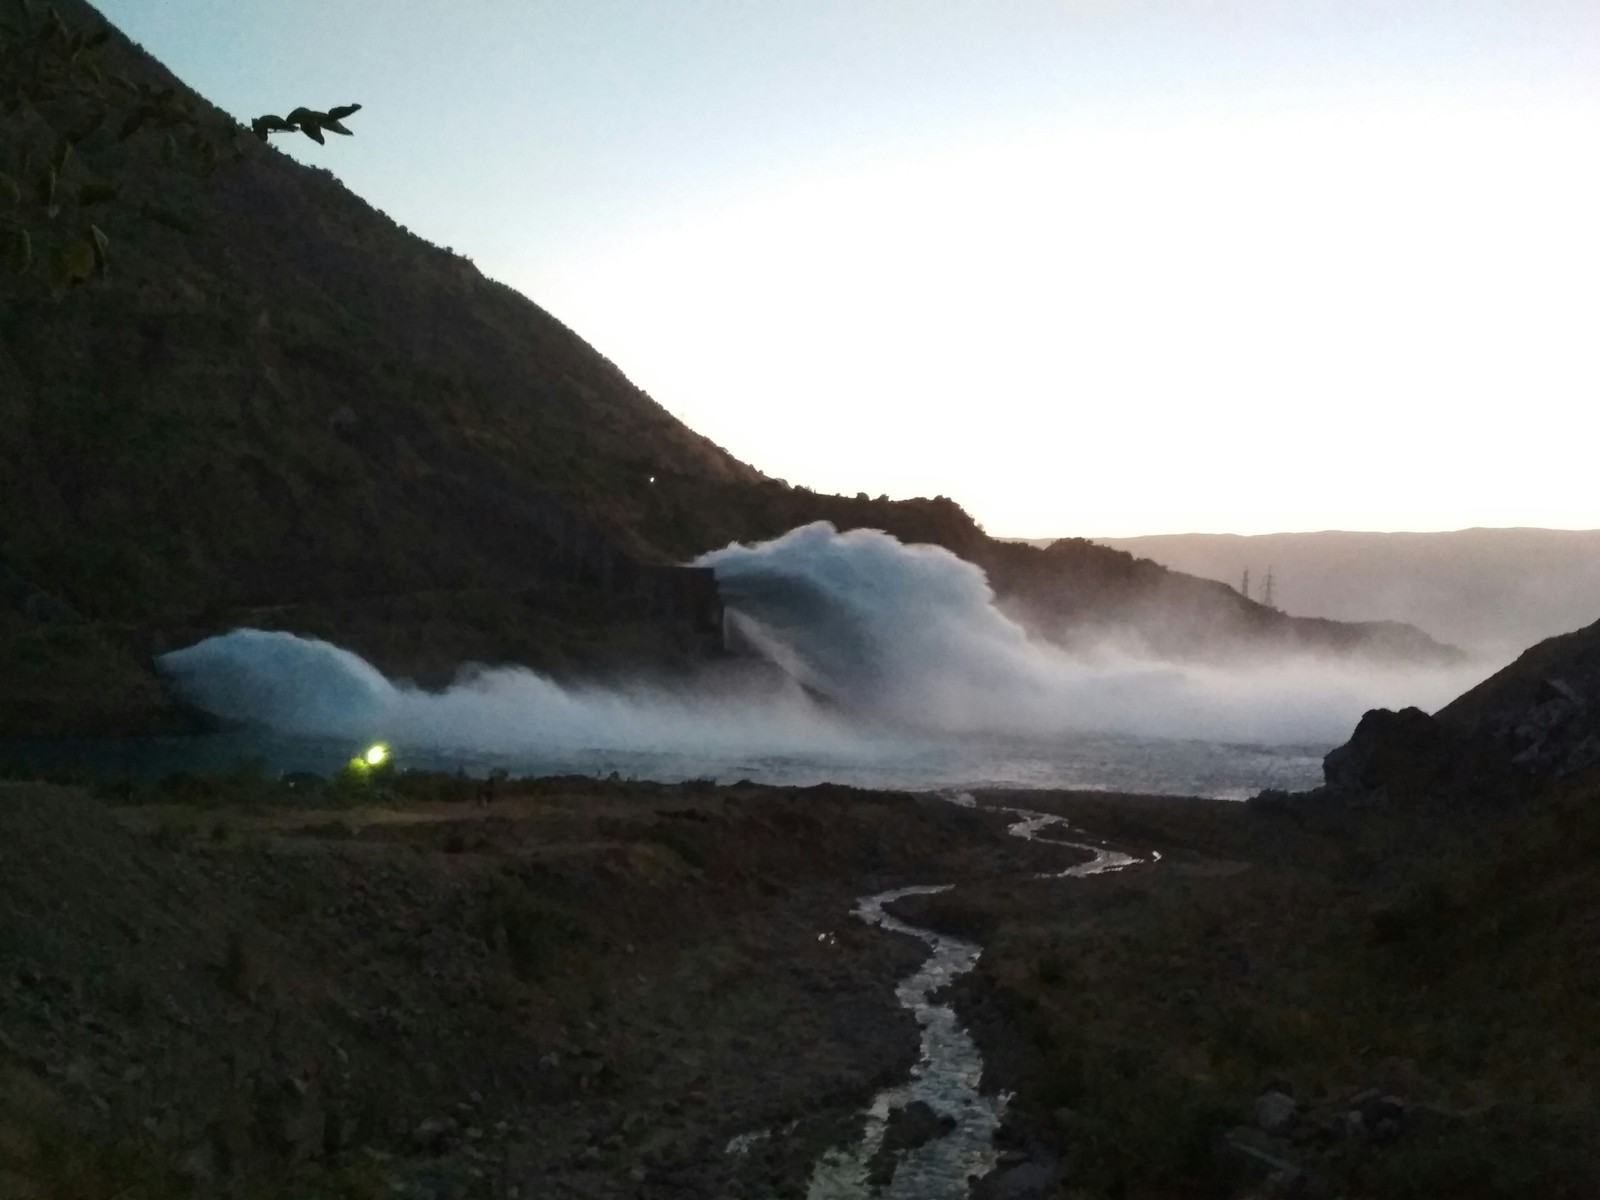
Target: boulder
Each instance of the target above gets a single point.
(431, 1135)
(910, 1126)
(1276, 1112)
(1396, 751)
(1384, 1117)
(914, 1125)
(1032, 1179)
(1408, 755)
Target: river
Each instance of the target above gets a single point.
(949, 1069)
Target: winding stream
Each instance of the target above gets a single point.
(1103, 862)
(948, 1072)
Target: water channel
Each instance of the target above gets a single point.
(949, 1069)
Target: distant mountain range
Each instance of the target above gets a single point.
(1495, 589)
(299, 415)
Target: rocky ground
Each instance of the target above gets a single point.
(1309, 1000)
(589, 989)
(579, 989)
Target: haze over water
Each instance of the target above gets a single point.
(895, 669)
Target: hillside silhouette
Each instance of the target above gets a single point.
(301, 415)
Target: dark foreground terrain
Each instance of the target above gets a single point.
(588, 989)
(577, 989)
(395, 984)
(1300, 999)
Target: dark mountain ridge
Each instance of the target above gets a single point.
(300, 415)
(1122, 598)
(1493, 588)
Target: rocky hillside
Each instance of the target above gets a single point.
(1474, 587)
(1526, 728)
(1384, 1001)
(580, 989)
(1139, 602)
(298, 414)
(1545, 706)
(296, 403)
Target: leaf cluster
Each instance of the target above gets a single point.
(307, 121)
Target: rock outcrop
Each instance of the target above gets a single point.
(1543, 711)
(1536, 720)
(1406, 754)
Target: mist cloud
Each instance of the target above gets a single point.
(879, 642)
(912, 635)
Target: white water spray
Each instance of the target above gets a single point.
(912, 635)
(906, 642)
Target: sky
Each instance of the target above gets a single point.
(1089, 267)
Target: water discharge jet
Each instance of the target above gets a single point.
(884, 650)
(912, 635)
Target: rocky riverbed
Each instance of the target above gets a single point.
(606, 990)
(583, 990)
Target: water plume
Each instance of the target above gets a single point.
(881, 644)
(912, 635)
(298, 685)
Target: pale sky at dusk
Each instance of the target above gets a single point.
(1090, 268)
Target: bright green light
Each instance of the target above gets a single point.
(375, 755)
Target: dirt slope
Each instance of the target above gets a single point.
(600, 984)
